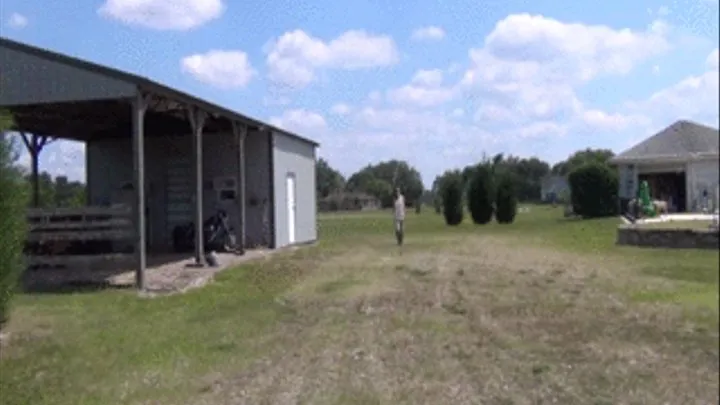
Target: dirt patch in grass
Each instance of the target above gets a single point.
(473, 320)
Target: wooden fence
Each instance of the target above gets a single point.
(79, 237)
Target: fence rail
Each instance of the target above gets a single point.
(78, 237)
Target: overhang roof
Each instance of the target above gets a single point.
(683, 140)
(144, 84)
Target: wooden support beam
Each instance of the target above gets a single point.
(139, 106)
(197, 121)
(240, 131)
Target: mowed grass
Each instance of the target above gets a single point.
(266, 324)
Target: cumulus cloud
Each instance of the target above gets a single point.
(340, 109)
(17, 21)
(218, 68)
(294, 57)
(429, 33)
(712, 60)
(162, 14)
(301, 121)
(425, 90)
(520, 93)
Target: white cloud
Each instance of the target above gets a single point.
(430, 33)
(340, 109)
(294, 57)
(420, 96)
(301, 121)
(163, 14)
(656, 69)
(519, 94)
(712, 60)
(223, 69)
(695, 97)
(374, 96)
(429, 78)
(530, 67)
(530, 45)
(601, 120)
(425, 90)
(17, 21)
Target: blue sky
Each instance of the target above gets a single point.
(437, 83)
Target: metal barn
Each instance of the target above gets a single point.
(154, 150)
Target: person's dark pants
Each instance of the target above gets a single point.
(399, 231)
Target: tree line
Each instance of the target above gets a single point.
(379, 180)
(492, 188)
(57, 191)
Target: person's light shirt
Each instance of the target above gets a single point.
(400, 208)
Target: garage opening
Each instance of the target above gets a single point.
(669, 187)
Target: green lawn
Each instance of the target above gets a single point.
(110, 347)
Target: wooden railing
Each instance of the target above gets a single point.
(78, 237)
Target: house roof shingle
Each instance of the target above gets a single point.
(681, 140)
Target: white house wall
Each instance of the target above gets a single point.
(30, 79)
(110, 165)
(296, 157)
(703, 176)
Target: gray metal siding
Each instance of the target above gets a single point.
(298, 158)
(110, 166)
(259, 205)
(29, 79)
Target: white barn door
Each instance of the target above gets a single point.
(291, 203)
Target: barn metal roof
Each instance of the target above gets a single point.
(144, 84)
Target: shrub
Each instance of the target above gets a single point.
(452, 200)
(506, 200)
(481, 195)
(13, 201)
(593, 190)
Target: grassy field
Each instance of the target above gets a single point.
(544, 309)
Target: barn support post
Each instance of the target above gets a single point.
(34, 144)
(240, 132)
(197, 122)
(139, 107)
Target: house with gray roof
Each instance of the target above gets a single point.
(680, 163)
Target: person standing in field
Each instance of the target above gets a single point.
(399, 216)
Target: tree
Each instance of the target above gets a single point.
(436, 194)
(481, 194)
(13, 201)
(506, 200)
(452, 192)
(328, 180)
(395, 173)
(594, 190)
(580, 158)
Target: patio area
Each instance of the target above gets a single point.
(165, 274)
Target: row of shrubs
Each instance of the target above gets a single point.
(488, 195)
(593, 194)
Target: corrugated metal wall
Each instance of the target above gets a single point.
(294, 158)
(170, 171)
(29, 79)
